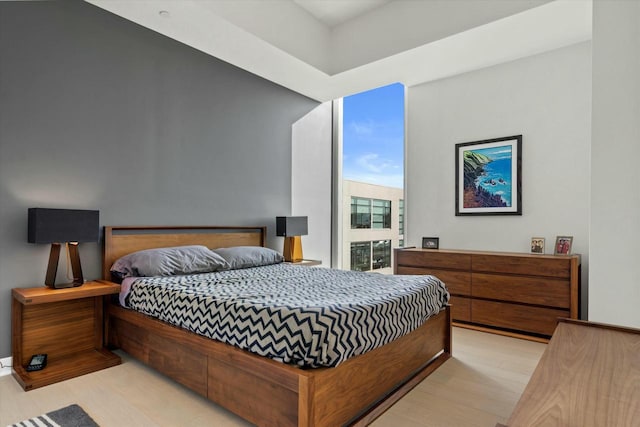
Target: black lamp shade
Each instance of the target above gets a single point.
(291, 226)
(63, 225)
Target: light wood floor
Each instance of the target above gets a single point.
(479, 386)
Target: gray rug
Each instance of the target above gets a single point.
(71, 416)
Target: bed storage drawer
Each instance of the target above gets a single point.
(160, 353)
(528, 290)
(172, 360)
(244, 390)
(537, 320)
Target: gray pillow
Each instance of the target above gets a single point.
(249, 256)
(168, 262)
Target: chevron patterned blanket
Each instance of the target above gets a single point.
(304, 316)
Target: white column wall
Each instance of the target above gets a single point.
(311, 154)
(614, 273)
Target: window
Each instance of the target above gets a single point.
(401, 217)
(370, 213)
(361, 256)
(401, 243)
(381, 217)
(371, 126)
(381, 254)
(360, 213)
(367, 256)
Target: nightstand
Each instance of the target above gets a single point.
(306, 262)
(67, 325)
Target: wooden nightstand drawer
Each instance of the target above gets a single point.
(60, 328)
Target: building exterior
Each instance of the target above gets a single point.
(373, 225)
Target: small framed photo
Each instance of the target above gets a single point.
(430, 242)
(537, 245)
(563, 245)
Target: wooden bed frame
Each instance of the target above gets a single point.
(260, 390)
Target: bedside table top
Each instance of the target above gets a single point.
(306, 262)
(44, 294)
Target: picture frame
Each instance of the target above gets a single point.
(430, 242)
(563, 245)
(537, 245)
(489, 177)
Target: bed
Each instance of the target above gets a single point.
(261, 390)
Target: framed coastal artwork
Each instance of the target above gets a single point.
(489, 177)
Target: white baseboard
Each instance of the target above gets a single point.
(6, 366)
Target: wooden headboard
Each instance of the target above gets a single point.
(120, 241)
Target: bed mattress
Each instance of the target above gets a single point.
(305, 316)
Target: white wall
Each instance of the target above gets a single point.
(614, 274)
(311, 152)
(547, 99)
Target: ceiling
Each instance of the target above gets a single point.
(335, 12)
(326, 49)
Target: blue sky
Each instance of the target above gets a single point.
(373, 136)
(496, 153)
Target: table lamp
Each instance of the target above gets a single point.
(57, 226)
(292, 227)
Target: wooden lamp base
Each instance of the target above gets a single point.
(292, 249)
(52, 268)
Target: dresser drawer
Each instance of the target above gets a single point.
(458, 282)
(529, 290)
(460, 308)
(525, 265)
(433, 258)
(515, 316)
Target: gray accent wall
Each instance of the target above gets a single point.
(99, 113)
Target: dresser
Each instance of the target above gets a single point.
(515, 294)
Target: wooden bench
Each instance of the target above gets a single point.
(589, 375)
